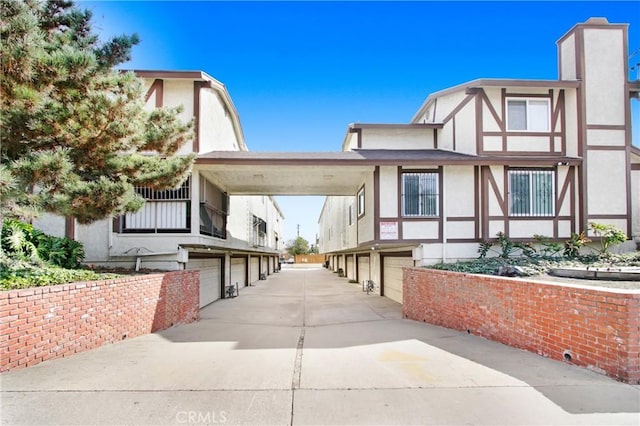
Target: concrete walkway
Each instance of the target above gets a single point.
(307, 347)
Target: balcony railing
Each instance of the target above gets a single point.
(213, 222)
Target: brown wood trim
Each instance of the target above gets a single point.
(503, 129)
(505, 199)
(479, 126)
(70, 228)
(461, 218)
(358, 132)
(399, 185)
(496, 190)
(563, 122)
(435, 105)
(454, 133)
(170, 74)
(628, 135)
(492, 110)
(441, 211)
(536, 134)
(582, 131)
(197, 85)
(484, 189)
(457, 109)
(419, 219)
(517, 154)
(606, 127)
(376, 204)
(463, 240)
(572, 206)
(404, 253)
(116, 225)
(635, 166)
(608, 216)
(528, 218)
(476, 200)
(606, 147)
(527, 95)
(158, 87)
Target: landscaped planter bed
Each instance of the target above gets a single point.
(593, 327)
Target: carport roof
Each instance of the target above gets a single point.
(331, 173)
(372, 157)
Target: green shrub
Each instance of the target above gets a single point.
(609, 235)
(23, 241)
(16, 274)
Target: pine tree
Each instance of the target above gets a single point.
(75, 137)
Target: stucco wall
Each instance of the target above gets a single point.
(43, 323)
(587, 326)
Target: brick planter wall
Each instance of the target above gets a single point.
(43, 323)
(599, 328)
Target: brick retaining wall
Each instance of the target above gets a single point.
(597, 328)
(42, 323)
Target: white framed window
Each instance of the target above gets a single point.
(420, 194)
(531, 192)
(528, 114)
(361, 202)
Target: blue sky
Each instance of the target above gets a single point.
(300, 72)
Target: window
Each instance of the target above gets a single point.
(531, 192)
(164, 211)
(259, 231)
(420, 193)
(350, 214)
(528, 115)
(361, 202)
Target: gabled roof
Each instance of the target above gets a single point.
(487, 82)
(212, 83)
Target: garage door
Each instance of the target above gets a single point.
(255, 269)
(239, 271)
(363, 268)
(350, 270)
(265, 265)
(210, 279)
(392, 273)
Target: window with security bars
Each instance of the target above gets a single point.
(531, 192)
(420, 194)
(166, 210)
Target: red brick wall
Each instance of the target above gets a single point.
(42, 323)
(599, 329)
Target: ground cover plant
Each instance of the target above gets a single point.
(31, 258)
(544, 254)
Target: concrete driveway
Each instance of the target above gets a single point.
(307, 347)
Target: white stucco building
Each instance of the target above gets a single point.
(522, 157)
(231, 239)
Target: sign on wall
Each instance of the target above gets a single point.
(389, 230)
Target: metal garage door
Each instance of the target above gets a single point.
(392, 276)
(350, 272)
(210, 278)
(363, 268)
(265, 265)
(255, 269)
(239, 271)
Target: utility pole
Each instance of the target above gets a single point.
(298, 230)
